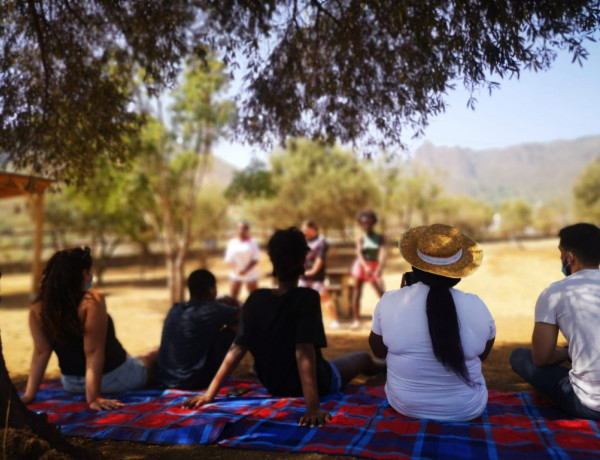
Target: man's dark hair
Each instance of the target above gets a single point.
(287, 251)
(200, 282)
(583, 240)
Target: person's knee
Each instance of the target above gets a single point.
(519, 359)
(363, 357)
(365, 364)
(149, 360)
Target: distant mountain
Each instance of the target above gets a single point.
(534, 171)
(220, 173)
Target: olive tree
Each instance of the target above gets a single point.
(357, 71)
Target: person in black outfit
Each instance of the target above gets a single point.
(196, 335)
(283, 329)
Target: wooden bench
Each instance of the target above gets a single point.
(339, 285)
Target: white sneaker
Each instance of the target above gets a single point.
(334, 325)
(355, 324)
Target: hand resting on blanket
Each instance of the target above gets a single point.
(305, 355)
(197, 401)
(99, 404)
(312, 418)
(315, 418)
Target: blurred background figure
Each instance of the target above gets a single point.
(315, 269)
(370, 258)
(242, 256)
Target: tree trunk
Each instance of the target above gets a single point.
(21, 418)
(175, 281)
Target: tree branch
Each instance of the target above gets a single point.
(42, 46)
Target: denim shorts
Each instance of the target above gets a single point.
(130, 375)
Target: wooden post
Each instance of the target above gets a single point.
(33, 188)
(37, 207)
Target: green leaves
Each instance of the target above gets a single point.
(66, 70)
(311, 181)
(365, 73)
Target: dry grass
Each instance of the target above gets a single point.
(509, 281)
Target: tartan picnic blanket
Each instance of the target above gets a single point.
(514, 425)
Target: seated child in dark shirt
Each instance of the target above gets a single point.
(196, 335)
(283, 329)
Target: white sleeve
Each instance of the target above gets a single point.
(228, 252)
(479, 316)
(491, 322)
(255, 250)
(492, 328)
(544, 307)
(376, 324)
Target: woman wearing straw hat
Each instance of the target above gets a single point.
(435, 337)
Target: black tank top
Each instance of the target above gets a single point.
(71, 356)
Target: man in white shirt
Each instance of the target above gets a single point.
(242, 255)
(572, 306)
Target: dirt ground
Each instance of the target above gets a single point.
(509, 281)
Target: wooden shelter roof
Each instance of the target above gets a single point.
(12, 184)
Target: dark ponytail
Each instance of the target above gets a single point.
(444, 328)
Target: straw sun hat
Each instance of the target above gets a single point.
(441, 249)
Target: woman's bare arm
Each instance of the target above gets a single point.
(40, 356)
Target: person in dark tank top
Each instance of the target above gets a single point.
(370, 259)
(71, 319)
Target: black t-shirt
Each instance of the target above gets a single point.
(271, 327)
(189, 333)
(71, 355)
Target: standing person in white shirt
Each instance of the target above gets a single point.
(242, 256)
(434, 337)
(571, 306)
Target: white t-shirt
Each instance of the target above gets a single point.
(574, 305)
(240, 253)
(417, 384)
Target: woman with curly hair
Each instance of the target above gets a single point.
(71, 319)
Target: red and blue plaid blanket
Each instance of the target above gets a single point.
(514, 425)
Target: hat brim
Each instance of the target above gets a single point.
(471, 258)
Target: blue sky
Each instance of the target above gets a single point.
(562, 103)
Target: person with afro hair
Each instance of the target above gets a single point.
(283, 329)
